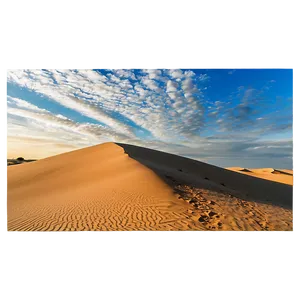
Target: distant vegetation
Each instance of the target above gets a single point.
(19, 160)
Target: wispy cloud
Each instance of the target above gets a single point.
(150, 102)
(204, 77)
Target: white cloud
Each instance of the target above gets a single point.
(129, 74)
(60, 122)
(151, 84)
(142, 92)
(172, 86)
(203, 77)
(187, 85)
(189, 89)
(153, 73)
(23, 104)
(189, 73)
(176, 74)
(61, 116)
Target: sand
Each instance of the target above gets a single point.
(123, 187)
(278, 175)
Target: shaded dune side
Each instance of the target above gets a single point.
(96, 188)
(199, 175)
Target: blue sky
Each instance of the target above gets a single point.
(224, 117)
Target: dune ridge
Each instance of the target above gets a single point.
(124, 187)
(277, 171)
(281, 176)
(239, 169)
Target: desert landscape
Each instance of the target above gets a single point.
(124, 187)
(149, 149)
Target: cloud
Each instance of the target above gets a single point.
(23, 104)
(189, 73)
(140, 90)
(151, 84)
(249, 108)
(172, 86)
(59, 123)
(125, 74)
(68, 84)
(187, 85)
(176, 74)
(268, 85)
(100, 96)
(153, 73)
(203, 77)
(165, 109)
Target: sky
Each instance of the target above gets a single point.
(226, 117)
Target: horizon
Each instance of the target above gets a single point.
(224, 117)
(35, 159)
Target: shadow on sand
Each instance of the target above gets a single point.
(176, 170)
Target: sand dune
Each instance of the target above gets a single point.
(123, 187)
(238, 169)
(282, 176)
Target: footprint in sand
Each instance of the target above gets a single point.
(203, 218)
(192, 201)
(212, 213)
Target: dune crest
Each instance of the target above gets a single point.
(281, 176)
(239, 169)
